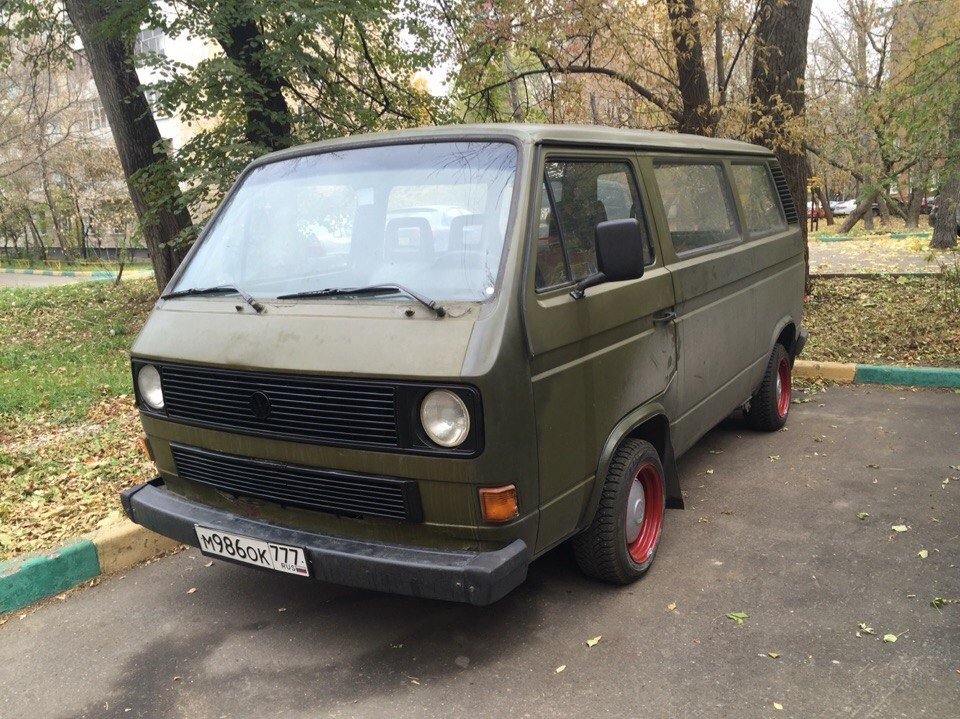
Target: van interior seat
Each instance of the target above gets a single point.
(457, 238)
(408, 239)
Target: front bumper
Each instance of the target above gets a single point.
(475, 577)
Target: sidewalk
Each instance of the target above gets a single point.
(16, 277)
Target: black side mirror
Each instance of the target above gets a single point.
(619, 254)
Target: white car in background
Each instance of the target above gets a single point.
(845, 207)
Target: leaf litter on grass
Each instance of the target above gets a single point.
(57, 482)
(881, 321)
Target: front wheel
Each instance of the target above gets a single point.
(621, 542)
(770, 404)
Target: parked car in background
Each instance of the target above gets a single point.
(927, 203)
(848, 207)
(845, 207)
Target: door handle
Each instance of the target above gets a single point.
(664, 317)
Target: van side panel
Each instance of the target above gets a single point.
(730, 298)
(586, 377)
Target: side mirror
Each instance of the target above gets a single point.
(619, 254)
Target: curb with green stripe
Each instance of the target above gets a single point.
(28, 579)
(879, 374)
(102, 274)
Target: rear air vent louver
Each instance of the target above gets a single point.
(789, 209)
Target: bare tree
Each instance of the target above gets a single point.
(108, 30)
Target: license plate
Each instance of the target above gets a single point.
(279, 557)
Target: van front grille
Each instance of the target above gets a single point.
(294, 485)
(786, 199)
(296, 407)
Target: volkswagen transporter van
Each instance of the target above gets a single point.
(416, 361)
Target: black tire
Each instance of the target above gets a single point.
(770, 404)
(602, 550)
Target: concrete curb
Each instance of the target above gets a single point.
(100, 274)
(25, 580)
(879, 374)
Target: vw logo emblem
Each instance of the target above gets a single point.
(260, 405)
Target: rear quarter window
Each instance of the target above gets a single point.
(762, 214)
(698, 204)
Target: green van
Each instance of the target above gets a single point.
(415, 361)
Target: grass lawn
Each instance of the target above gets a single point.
(68, 427)
(909, 321)
(78, 266)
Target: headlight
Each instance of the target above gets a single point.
(148, 382)
(445, 418)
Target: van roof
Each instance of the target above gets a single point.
(535, 134)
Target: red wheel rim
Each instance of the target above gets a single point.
(783, 387)
(644, 514)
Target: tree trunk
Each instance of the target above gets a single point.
(827, 212)
(912, 218)
(864, 210)
(107, 33)
(55, 219)
(779, 64)
(697, 113)
(884, 209)
(945, 230)
(267, 114)
(41, 249)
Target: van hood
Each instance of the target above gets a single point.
(343, 338)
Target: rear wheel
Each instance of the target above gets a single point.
(770, 404)
(621, 542)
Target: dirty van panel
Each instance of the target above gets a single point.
(778, 244)
(596, 358)
(716, 302)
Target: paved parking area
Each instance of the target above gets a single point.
(772, 531)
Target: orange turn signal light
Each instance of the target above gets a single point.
(499, 504)
(145, 446)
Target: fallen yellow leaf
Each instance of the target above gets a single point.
(778, 706)
(596, 640)
(671, 606)
(560, 668)
(773, 655)
(191, 590)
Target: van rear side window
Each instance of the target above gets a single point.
(758, 198)
(697, 203)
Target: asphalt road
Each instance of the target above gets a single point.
(772, 532)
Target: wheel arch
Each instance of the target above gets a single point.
(786, 335)
(648, 423)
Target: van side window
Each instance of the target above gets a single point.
(758, 198)
(697, 203)
(576, 196)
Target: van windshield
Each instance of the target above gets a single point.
(431, 217)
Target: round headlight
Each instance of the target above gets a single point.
(148, 382)
(445, 418)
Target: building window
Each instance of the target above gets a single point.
(95, 115)
(149, 40)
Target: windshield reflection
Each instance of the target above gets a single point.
(429, 216)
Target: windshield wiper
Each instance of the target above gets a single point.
(390, 287)
(219, 289)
